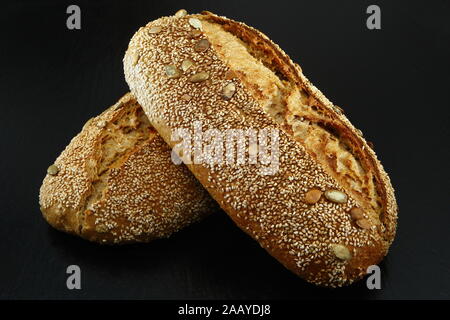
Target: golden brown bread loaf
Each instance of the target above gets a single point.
(329, 211)
(116, 183)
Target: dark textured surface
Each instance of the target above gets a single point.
(392, 83)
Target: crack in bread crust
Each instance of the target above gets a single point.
(121, 136)
(285, 98)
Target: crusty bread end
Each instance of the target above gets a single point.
(116, 183)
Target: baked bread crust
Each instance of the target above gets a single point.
(293, 214)
(115, 182)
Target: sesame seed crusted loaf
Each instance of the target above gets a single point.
(329, 211)
(115, 182)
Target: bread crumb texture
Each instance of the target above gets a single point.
(116, 182)
(249, 82)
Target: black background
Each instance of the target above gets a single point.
(393, 84)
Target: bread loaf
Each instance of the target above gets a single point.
(116, 183)
(328, 211)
